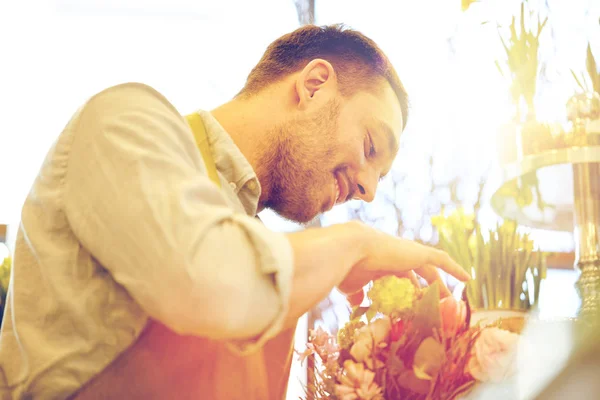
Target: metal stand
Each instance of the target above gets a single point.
(581, 216)
(586, 205)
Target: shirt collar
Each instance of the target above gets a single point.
(232, 164)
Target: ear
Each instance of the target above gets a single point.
(316, 82)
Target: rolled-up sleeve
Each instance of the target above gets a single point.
(139, 200)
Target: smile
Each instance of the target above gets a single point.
(341, 190)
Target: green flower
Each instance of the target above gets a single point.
(5, 274)
(392, 294)
(345, 336)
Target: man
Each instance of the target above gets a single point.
(136, 276)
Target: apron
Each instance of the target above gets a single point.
(261, 375)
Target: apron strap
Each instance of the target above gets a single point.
(195, 122)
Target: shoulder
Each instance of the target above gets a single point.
(132, 97)
(133, 110)
(132, 116)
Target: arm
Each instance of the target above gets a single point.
(322, 259)
(350, 255)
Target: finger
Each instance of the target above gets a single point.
(413, 278)
(357, 298)
(431, 275)
(443, 261)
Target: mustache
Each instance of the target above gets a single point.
(352, 186)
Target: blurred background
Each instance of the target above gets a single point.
(55, 54)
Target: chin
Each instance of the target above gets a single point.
(300, 216)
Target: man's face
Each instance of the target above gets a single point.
(333, 152)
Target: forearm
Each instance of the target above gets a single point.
(322, 258)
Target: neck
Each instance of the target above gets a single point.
(250, 122)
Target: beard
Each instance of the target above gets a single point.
(298, 168)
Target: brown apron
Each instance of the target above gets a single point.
(164, 365)
(263, 374)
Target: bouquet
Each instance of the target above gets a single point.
(409, 345)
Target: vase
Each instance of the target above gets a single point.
(511, 320)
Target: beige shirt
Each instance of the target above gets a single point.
(123, 224)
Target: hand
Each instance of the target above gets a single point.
(351, 254)
(389, 255)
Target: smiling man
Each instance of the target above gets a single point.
(141, 271)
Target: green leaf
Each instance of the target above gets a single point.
(592, 69)
(587, 88)
(522, 17)
(541, 27)
(395, 365)
(407, 379)
(577, 80)
(499, 68)
(358, 312)
(465, 4)
(371, 313)
(427, 312)
(429, 358)
(395, 346)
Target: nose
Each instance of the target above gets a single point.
(366, 185)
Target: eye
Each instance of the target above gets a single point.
(371, 147)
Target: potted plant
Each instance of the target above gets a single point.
(506, 272)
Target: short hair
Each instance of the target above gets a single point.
(357, 60)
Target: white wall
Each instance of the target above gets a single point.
(56, 54)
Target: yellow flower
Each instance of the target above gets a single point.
(455, 223)
(472, 242)
(462, 220)
(438, 220)
(391, 293)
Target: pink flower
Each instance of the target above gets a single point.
(322, 343)
(309, 351)
(454, 315)
(493, 357)
(357, 383)
(319, 337)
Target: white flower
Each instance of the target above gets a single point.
(376, 333)
(357, 383)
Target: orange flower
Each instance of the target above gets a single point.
(454, 315)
